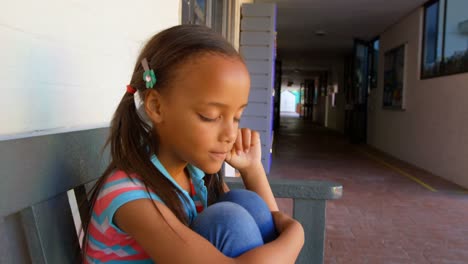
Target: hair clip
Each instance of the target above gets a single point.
(148, 76)
(130, 89)
(139, 104)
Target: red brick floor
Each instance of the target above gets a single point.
(383, 216)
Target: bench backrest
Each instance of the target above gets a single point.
(36, 223)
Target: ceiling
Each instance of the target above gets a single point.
(342, 21)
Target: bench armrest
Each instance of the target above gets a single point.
(297, 189)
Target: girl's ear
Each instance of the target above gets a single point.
(153, 106)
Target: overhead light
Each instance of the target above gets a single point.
(320, 33)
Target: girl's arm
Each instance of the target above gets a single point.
(259, 184)
(166, 240)
(255, 179)
(246, 156)
(291, 234)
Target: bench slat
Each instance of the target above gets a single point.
(50, 232)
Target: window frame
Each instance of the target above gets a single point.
(441, 71)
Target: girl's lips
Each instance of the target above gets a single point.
(218, 155)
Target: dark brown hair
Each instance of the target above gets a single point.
(132, 142)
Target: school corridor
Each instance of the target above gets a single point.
(390, 212)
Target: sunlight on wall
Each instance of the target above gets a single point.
(65, 64)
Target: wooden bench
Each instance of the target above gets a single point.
(36, 173)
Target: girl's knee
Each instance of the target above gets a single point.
(240, 196)
(257, 208)
(247, 199)
(225, 213)
(229, 227)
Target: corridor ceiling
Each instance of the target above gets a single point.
(341, 20)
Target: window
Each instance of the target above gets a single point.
(194, 12)
(374, 62)
(445, 41)
(220, 15)
(212, 13)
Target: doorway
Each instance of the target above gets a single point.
(357, 92)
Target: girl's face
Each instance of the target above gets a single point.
(199, 114)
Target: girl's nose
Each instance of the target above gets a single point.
(229, 132)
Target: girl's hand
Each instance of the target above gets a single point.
(246, 156)
(282, 221)
(246, 152)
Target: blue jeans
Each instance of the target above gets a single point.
(238, 222)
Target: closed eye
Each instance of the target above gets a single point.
(206, 119)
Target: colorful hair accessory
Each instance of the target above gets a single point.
(130, 89)
(139, 104)
(148, 76)
(140, 108)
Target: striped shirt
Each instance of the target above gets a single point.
(195, 198)
(106, 242)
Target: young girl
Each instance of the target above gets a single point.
(162, 198)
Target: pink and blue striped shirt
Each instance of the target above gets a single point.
(106, 242)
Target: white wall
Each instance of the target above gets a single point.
(65, 64)
(433, 131)
(288, 102)
(335, 116)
